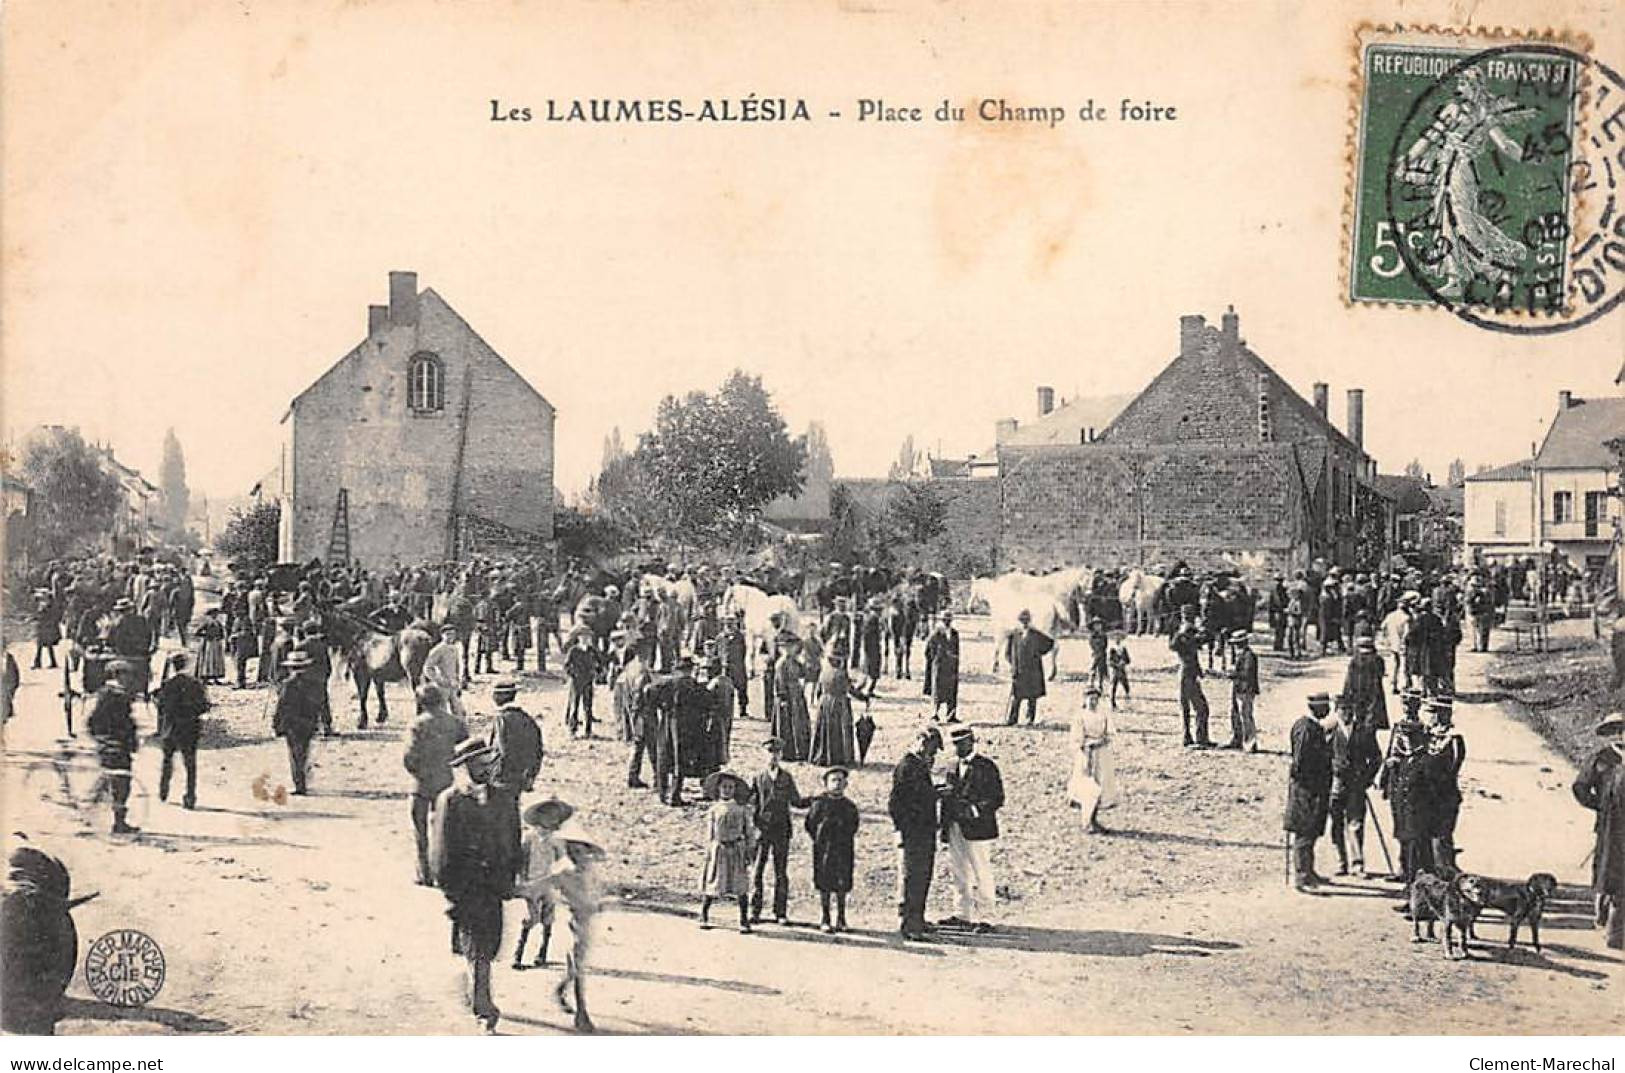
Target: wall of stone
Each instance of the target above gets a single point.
(353, 429)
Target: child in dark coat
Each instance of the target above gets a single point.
(832, 821)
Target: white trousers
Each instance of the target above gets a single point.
(972, 866)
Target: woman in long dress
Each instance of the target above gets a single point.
(833, 743)
(211, 656)
(1093, 783)
(791, 723)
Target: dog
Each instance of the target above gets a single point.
(1523, 903)
(1429, 897)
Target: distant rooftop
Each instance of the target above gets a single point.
(1578, 434)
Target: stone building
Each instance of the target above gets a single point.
(1218, 461)
(421, 443)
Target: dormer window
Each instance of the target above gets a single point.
(425, 384)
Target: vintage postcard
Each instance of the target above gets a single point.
(895, 519)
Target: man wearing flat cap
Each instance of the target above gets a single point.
(970, 825)
(1309, 788)
(913, 809)
(1600, 787)
(469, 856)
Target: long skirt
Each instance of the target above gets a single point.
(832, 738)
(792, 726)
(211, 659)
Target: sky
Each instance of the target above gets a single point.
(201, 200)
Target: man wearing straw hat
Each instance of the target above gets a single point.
(1243, 693)
(113, 727)
(1601, 788)
(301, 708)
(469, 856)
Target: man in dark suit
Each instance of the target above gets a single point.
(942, 669)
(301, 708)
(683, 708)
(1309, 789)
(181, 701)
(1024, 651)
(913, 809)
(1187, 643)
(516, 742)
(113, 727)
(970, 824)
(468, 858)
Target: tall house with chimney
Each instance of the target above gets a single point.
(1218, 461)
(421, 443)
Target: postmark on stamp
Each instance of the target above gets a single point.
(125, 968)
(1470, 165)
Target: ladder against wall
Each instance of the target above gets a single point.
(338, 543)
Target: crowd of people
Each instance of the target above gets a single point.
(677, 660)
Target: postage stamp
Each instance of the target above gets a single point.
(1468, 167)
(125, 968)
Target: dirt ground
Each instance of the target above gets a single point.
(303, 918)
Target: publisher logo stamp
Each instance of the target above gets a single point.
(125, 968)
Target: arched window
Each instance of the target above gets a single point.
(425, 384)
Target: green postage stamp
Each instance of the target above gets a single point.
(1464, 173)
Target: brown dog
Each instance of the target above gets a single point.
(1428, 895)
(1523, 903)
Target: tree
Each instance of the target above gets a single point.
(249, 541)
(614, 449)
(172, 483)
(916, 513)
(713, 462)
(76, 499)
(1456, 476)
(1413, 468)
(907, 461)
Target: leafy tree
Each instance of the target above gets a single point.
(76, 498)
(172, 483)
(713, 462)
(623, 497)
(1413, 468)
(249, 540)
(916, 512)
(1456, 476)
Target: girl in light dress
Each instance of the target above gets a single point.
(730, 844)
(1093, 782)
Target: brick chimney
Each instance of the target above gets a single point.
(1321, 391)
(403, 297)
(1565, 399)
(1231, 328)
(377, 317)
(1003, 429)
(1191, 327)
(1356, 423)
(1046, 400)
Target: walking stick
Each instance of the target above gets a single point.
(1371, 812)
(1286, 841)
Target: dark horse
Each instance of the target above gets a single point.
(373, 655)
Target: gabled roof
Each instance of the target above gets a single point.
(949, 467)
(427, 296)
(1069, 421)
(1246, 367)
(1578, 434)
(1513, 471)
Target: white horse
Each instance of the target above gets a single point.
(1138, 594)
(760, 609)
(1052, 601)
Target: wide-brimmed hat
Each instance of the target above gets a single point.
(1612, 725)
(959, 734)
(123, 604)
(298, 659)
(1240, 637)
(712, 783)
(1321, 701)
(506, 687)
(836, 769)
(471, 749)
(571, 830)
(551, 813)
(1365, 643)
